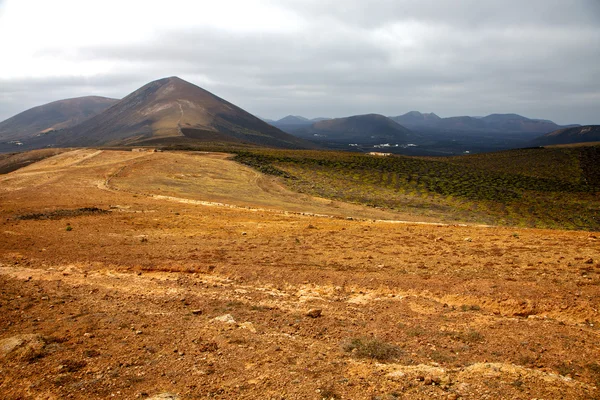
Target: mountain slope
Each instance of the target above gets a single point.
(518, 123)
(580, 134)
(369, 128)
(52, 116)
(415, 118)
(170, 109)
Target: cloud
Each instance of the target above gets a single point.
(320, 58)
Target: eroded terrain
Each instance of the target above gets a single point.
(131, 275)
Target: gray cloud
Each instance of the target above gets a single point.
(468, 57)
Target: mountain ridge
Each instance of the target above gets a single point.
(56, 115)
(171, 110)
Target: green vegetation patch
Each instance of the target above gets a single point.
(546, 188)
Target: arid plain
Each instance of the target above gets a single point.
(186, 275)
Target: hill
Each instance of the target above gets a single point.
(369, 128)
(171, 111)
(172, 108)
(57, 115)
(538, 187)
(416, 119)
(580, 134)
(294, 120)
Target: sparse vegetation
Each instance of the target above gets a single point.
(63, 213)
(554, 188)
(372, 348)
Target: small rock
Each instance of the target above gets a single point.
(138, 332)
(468, 239)
(227, 318)
(427, 380)
(196, 312)
(22, 346)
(249, 326)
(462, 388)
(452, 396)
(589, 261)
(396, 375)
(164, 396)
(314, 313)
(244, 233)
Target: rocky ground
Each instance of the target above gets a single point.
(131, 275)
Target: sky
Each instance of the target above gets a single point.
(315, 58)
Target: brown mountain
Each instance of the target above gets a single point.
(579, 134)
(52, 116)
(171, 110)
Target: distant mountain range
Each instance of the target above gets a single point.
(500, 123)
(172, 111)
(415, 120)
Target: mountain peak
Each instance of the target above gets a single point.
(174, 110)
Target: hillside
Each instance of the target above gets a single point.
(567, 164)
(530, 188)
(177, 275)
(580, 134)
(171, 110)
(369, 128)
(57, 115)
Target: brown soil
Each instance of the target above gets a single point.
(134, 302)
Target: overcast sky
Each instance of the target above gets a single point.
(538, 58)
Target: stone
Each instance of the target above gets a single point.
(314, 313)
(249, 326)
(226, 318)
(22, 346)
(164, 396)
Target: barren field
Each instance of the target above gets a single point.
(187, 276)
